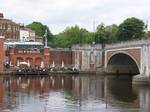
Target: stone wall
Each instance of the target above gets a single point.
(87, 57)
(126, 44)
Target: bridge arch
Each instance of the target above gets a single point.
(122, 63)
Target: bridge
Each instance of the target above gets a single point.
(132, 57)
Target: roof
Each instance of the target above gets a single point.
(23, 43)
(8, 21)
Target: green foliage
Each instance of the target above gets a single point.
(131, 28)
(147, 34)
(106, 34)
(71, 36)
(40, 29)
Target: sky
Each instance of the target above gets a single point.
(59, 14)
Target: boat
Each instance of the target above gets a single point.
(31, 72)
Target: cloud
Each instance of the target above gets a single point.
(58, 14)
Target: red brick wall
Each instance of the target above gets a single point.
(47, 56)
(73, 57)
(33, 58)
(2, 54)
(135, 53)
(58, 56)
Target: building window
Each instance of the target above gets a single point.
(14, 28)
(9, 27)
(4, 27)
(17, 28)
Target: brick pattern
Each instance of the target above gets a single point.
(2, 54)
(135, 53)
(59, 56)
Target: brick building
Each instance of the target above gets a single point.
(36, 55)
(2, 53)
(27, 34)
(31, 53)
(8, 28)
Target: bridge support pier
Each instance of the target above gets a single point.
(144, 76)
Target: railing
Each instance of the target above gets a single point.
(60, 49)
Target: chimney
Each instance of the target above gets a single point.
(1, 15)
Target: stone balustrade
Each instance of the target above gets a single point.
(127, 44)
(87, 47)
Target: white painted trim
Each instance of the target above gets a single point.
(105, 61)
(123, 49)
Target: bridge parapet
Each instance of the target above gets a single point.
(87, 47)
(133, 43)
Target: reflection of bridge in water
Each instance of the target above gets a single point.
(109, 90)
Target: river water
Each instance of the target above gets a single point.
(73, 93)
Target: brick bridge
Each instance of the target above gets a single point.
(128, 57)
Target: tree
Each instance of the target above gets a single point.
(100, 34)
(111, 33)
(106, 34)
(147, 34)
(72, 35)
(131, 28)
(40, 29)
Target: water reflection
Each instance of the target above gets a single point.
(72, 93)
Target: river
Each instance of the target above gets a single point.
(73, 93)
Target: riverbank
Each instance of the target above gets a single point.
(138, 79)
(141, 79)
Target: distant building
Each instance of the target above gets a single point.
(27, 34)
(8, 28)
(39, 39)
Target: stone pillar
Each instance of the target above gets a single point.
(145, 63)
(2, 53)
(46, 57)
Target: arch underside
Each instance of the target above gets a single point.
(121, 63)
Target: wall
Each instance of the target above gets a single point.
(2, 53)
(9, 29)
(87, 57)
(59, 56)
(145, 60)
(33, 57)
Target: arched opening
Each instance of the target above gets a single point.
(29, 61)
(122, 63)
(38, 61)
(19, 59)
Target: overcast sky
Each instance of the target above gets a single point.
(58, 14)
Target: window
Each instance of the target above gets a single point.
(4, 27)
(9, 27)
